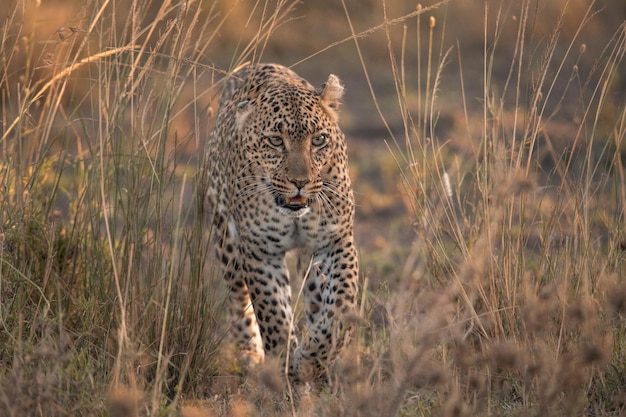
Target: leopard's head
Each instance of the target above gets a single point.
(291, 140)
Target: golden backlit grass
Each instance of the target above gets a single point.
(493, 152)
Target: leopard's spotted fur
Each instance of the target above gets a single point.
(278, 180)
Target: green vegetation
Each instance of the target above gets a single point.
(487, 144)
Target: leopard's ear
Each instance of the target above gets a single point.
(331, 93)
(243, 111)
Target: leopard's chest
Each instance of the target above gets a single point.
(266, 228)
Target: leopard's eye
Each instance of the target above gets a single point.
(275, 141)
(320, 140)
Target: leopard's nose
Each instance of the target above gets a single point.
(300, 183)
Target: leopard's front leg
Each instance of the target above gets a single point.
(267, 279)
(330, 296)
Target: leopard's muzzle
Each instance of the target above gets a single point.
(292, 203)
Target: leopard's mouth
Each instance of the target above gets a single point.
(292, 203)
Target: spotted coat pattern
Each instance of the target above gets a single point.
(278, 180)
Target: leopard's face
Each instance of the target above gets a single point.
(290, 136)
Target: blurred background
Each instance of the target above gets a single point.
(471, 47)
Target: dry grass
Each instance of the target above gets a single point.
(501, 178)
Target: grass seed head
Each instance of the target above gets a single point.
(124, 402)
(617, 298)
(455, 407)
(593, 354)
(505, 356)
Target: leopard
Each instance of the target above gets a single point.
(278, 182)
